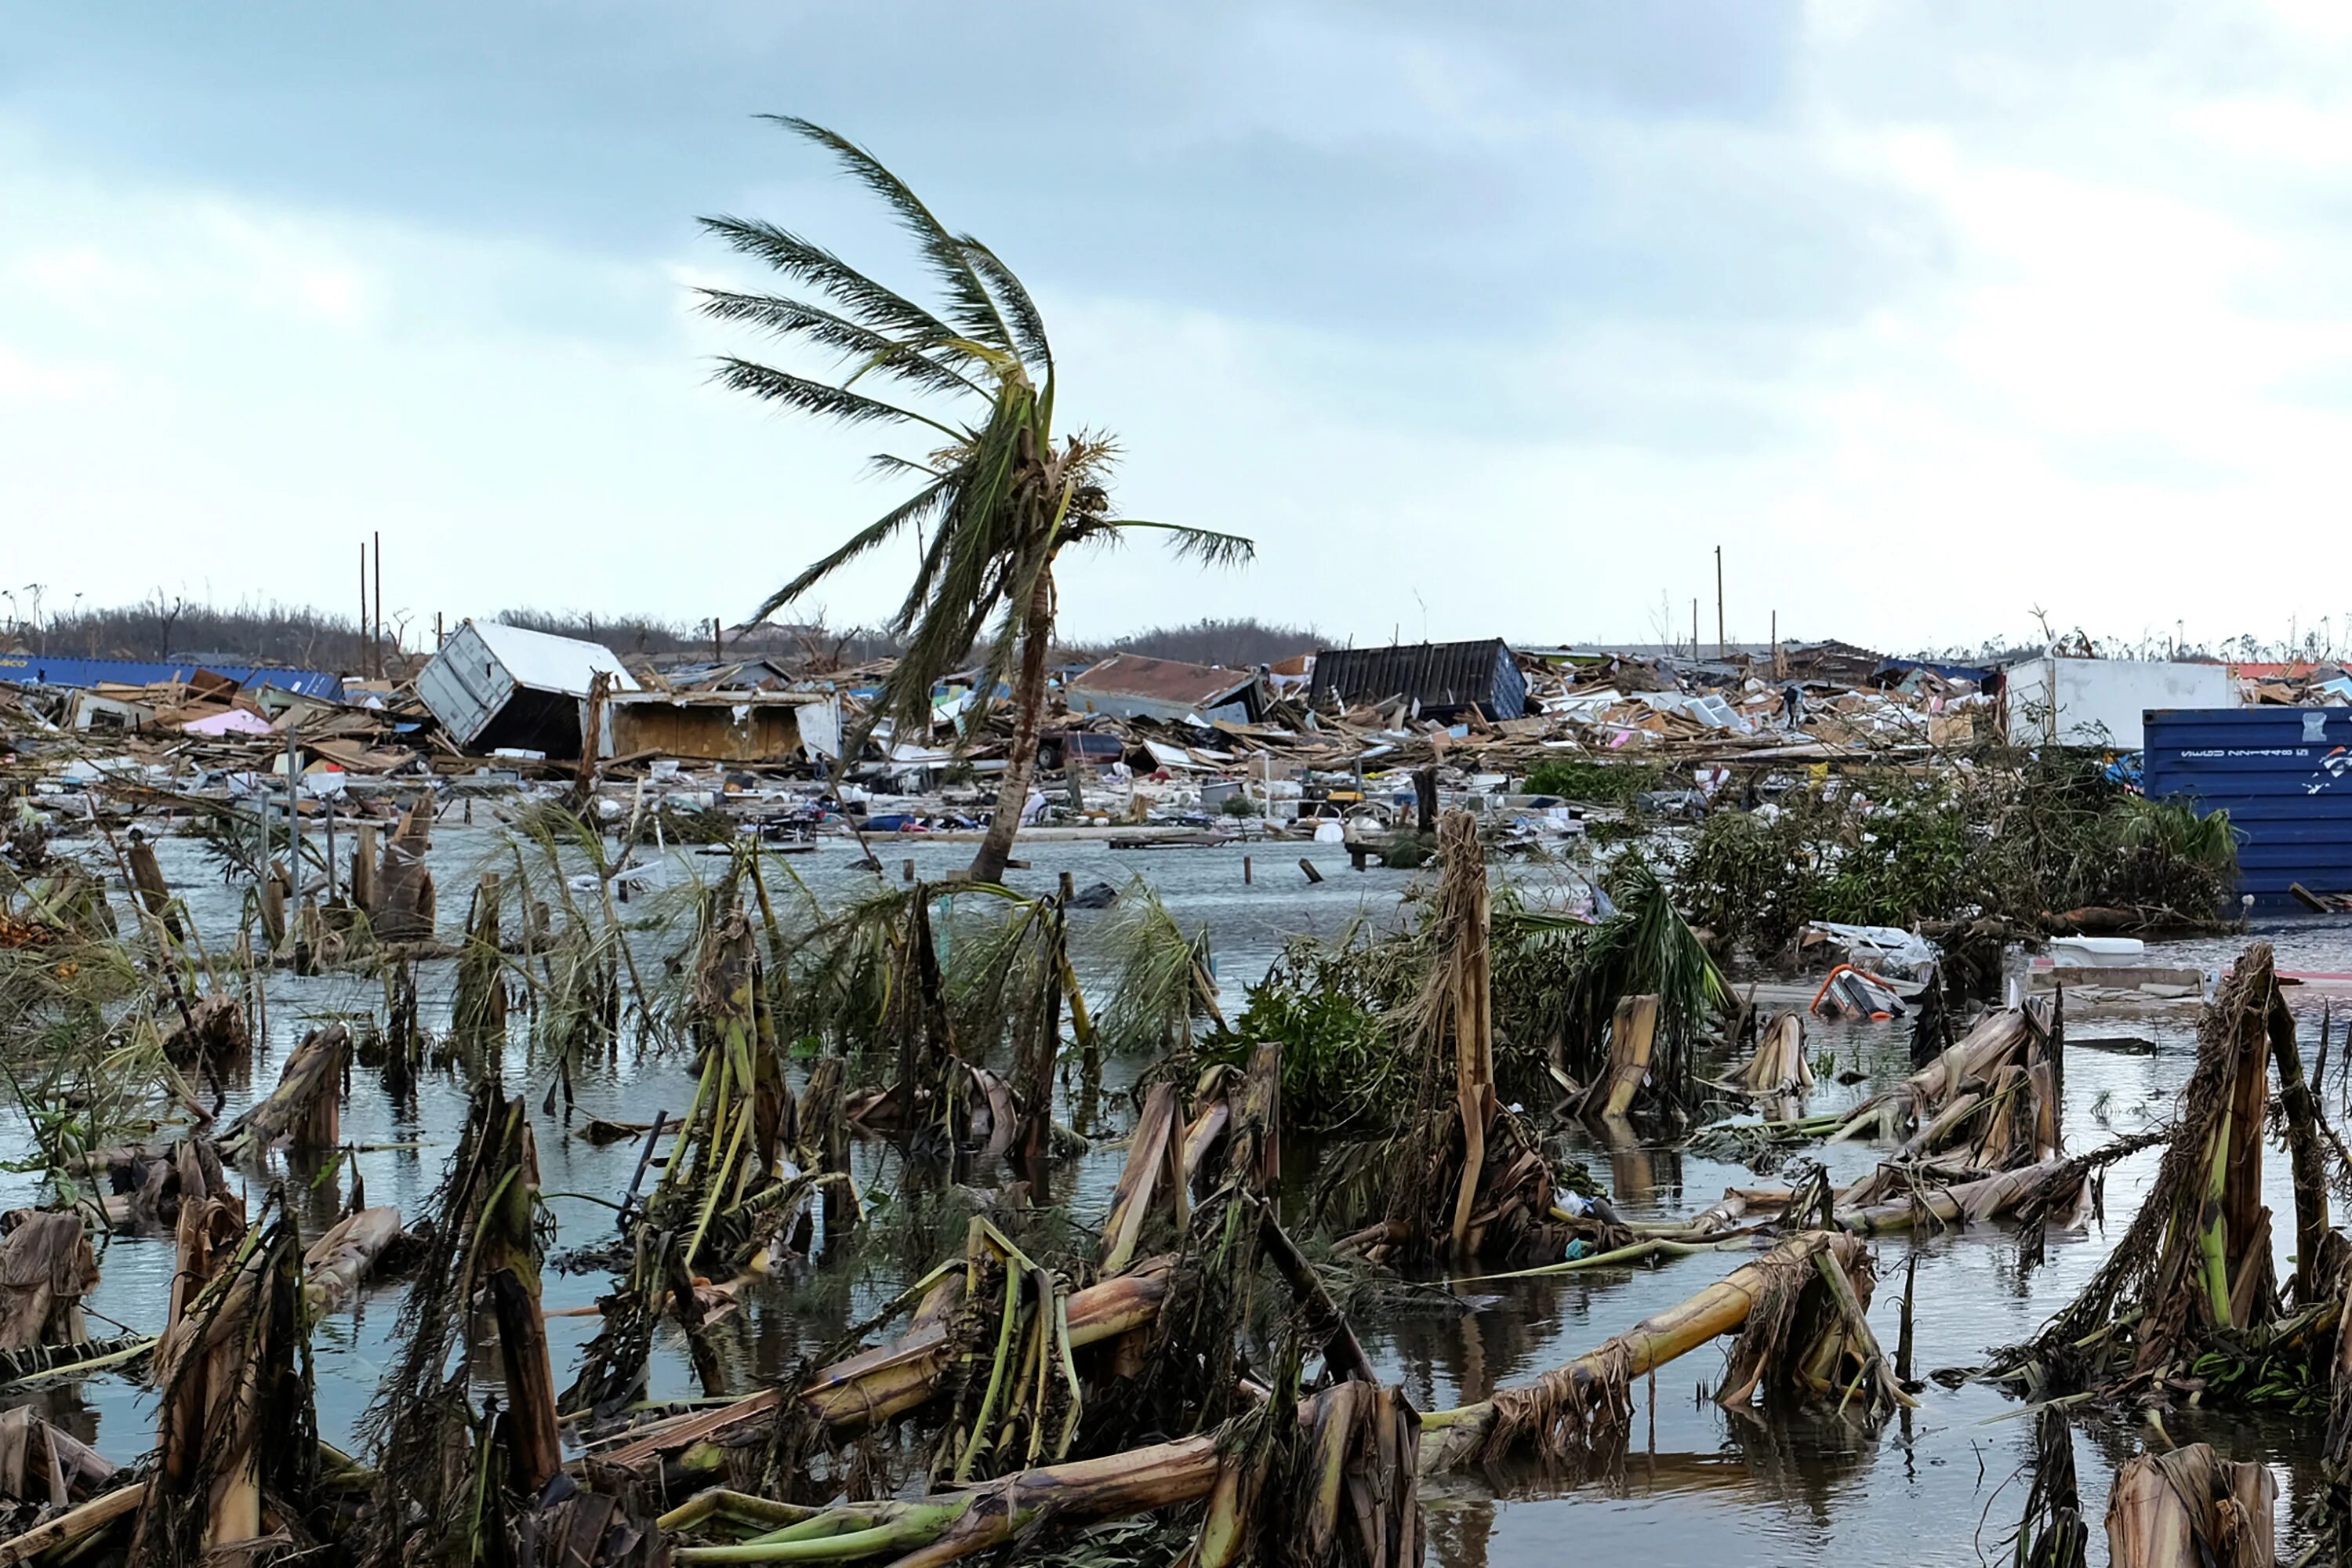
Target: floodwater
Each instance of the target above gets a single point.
(1937, 1485)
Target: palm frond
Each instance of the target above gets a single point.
(881, 354)
(1203, 545)
(773, 385)
(1028, 322)
(883, 309)
(888, 463)
(971, 305)
(910, 511)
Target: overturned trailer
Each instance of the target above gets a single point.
(501, 688)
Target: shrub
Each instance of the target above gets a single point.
(1603, 783)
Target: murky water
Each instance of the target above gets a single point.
(1700, 1485)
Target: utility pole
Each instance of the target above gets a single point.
(1721, 649)
(380, 669)
(359, 632)
(1693, 631)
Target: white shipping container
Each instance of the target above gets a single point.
(2098, 702)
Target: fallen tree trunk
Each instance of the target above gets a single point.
(335, 1265)
(1355, 1488)
(892, 1379)
(1560, 1412)
(305, 1110)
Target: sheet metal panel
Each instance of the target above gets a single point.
(1445, 678)
(2284, 774)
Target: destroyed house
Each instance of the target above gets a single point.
(1129, 686)
(737, 725)
(41, 669)
(1438, 681)
(496, 687)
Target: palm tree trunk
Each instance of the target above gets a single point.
(1028, 716)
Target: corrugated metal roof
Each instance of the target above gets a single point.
(2284, 774)
(40, 670)
(1162, 680)
(1443, 677)
(1131, 686)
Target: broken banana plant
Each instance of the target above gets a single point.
(721, 1189)
(451, 1481)
(236, 1435)
(2193, 1273)
(1795, 1336)
(304, 1112)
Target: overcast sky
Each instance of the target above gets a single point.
(1492, 318)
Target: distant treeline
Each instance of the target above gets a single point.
(171, 629)
(161, 628)
(1239, 643)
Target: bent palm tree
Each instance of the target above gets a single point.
(999, 500)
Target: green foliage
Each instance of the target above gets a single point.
(1162, 980)
(1586, 779)
(1239, 805)
(2047, 834)
(1337, 1008)
(1749, 877)
(1329, 1007)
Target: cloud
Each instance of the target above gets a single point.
(1479, 322)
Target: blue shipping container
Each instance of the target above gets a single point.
(2284, 774)
(40, 670)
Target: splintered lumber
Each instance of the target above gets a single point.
(891, 1379)
(45, 1268)
(2192, 1509)
(334, 1265)
(1559, 1411)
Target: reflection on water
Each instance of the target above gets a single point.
(1695, 1484)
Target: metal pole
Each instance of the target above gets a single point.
(293, 815)
(1721, 651)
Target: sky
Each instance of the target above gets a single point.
(1942, 321)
